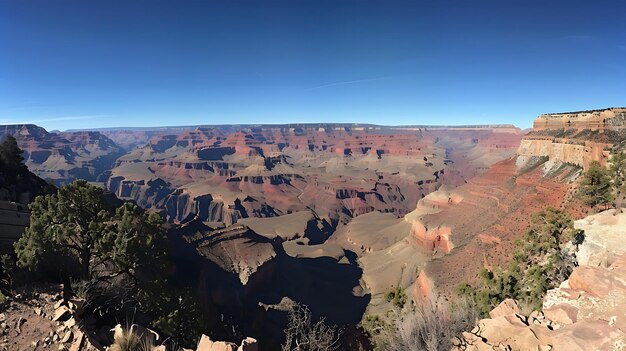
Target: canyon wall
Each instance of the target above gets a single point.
(602, 119)
(576, 138)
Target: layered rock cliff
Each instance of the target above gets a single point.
(63, 157)
(575, 137)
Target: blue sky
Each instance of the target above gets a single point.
(88, 64)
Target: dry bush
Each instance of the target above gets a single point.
(302, 334)
(126, 340)
(434, 325)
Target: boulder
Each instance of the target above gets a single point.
(61, 314)
(588, 335)
(507, 307)
(595, 281)
(513, 330)
(604, 235)
(562, 313)
(206, 344)
(248, 344)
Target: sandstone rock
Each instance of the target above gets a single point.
(562, 313)
(248, 344)
(511, 330)
(70, 322)
(67, 337)
(78, 341)
(507, 307)
(77, 304)
(206, 344)
(594, 280)
(588, 335)
(61, 314)
(604, 235)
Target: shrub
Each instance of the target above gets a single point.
(126, 340)
(302, 334)
(432, 326)
(595, 188)
(538, 264)
(397, 296)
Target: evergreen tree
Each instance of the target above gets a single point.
(11, 161)
(596, 186)
(617, 170)
(76, 224)
(538, 264)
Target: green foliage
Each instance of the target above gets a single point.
(121, 255)
(77, 225)
(12, 166)
(16, 182)
(397, 296)
(596, 188)
(175, 313)
(617, 170)
(538, 264)
(533, 164)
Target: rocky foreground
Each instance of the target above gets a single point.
(586, 312)
(41, 319)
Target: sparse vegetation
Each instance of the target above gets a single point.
(124, 339)
(78, 228)
(12, 167)
(533, 164)
(539, 263)
(596, 188)
(617, 171)
(120, 254)
(303, 334)
(15, 177)
(433, 325)
(397, 296)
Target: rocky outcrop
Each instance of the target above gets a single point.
(44, 320)
(587, 312)
(604, 234)
(206, 344)
(575, 137)
(64, 157)
(603, 119)
(338, 171)
(579, 153)
(235, 249)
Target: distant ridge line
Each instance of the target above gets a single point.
(583, 111)
(296, 125)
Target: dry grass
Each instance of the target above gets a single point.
(126, 340)
(434, 325)
(303, 334)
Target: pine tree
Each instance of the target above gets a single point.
(617, 170)
(77, 225)
(11, 160)
(596, 186)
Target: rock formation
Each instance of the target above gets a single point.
(63, 157)
(338, 171)
(586, 312)
(575, 137)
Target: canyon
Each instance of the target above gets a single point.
(333, 216)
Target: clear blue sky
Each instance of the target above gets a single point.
(83, 64)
